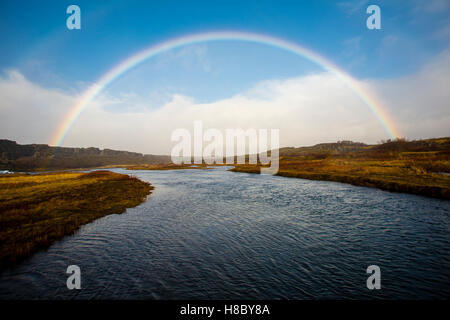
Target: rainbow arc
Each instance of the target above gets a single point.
(134, 60)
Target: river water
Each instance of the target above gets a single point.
(214, 234)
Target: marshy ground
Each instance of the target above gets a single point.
(36, 210)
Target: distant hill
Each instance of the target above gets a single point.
(17, 157)
(322, 150)
(389, 149)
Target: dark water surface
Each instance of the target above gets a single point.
(213, 234)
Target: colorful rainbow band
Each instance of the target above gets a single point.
(134, 60)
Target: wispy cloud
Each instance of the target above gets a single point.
(352, 52)
(430, 6)
(352, 7)
(188, 57)
(443, 31)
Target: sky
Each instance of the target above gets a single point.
(45, 68)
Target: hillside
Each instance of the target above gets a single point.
(389, 148)
(16, 157)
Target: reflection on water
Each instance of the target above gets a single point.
(213, 234)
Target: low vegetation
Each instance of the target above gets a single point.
(36, 210)
(170, 166)
(418, 167)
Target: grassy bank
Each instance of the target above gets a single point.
(36, 210)
(170, 166)
(415, 167)
(389, 176)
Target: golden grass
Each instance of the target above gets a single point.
(170, 166)
(391, 175)
(36, 210)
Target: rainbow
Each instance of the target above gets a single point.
(134, 60)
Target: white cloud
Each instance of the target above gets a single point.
(421, 102)
(307, 110)
(29, 112)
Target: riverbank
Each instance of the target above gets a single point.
(170, 166)
(393, 175)
(36, 210)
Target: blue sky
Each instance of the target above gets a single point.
(35, 38)
(36, 43)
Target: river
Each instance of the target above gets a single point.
(214, 234)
